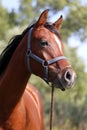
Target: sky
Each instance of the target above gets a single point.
(10, 4)
(14, 4)
(74, 42)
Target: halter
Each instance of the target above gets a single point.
(44, 63)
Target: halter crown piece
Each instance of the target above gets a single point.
(45, 63)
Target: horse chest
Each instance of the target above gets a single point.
(16, 120)
(27, 115)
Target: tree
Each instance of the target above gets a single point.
(26, 12)
(7, 21)
(75, 21)
(12, 17)
(4, 24)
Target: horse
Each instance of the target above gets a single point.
(38, 50)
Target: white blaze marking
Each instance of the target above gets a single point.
(58, 42)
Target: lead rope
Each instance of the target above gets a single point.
(52, 108)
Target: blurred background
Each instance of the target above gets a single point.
(70, 106)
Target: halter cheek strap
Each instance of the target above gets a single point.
(43, 62)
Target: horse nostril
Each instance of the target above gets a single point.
(68, 76)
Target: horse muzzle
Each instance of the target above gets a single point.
(65, 80)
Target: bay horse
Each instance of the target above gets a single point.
(38, 50)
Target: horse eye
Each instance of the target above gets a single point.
(44, 43)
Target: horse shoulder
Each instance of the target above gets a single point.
(17, 119)
(34, 108)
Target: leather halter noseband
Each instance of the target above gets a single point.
(44, 63)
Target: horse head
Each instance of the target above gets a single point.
(45, 56)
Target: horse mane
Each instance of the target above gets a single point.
(14, 42)
(9, 50)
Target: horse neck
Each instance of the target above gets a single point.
(15, 78)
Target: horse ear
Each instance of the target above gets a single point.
(43, 18)
(58, 23)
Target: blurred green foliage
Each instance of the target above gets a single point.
(3, 22)
(75, 13)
